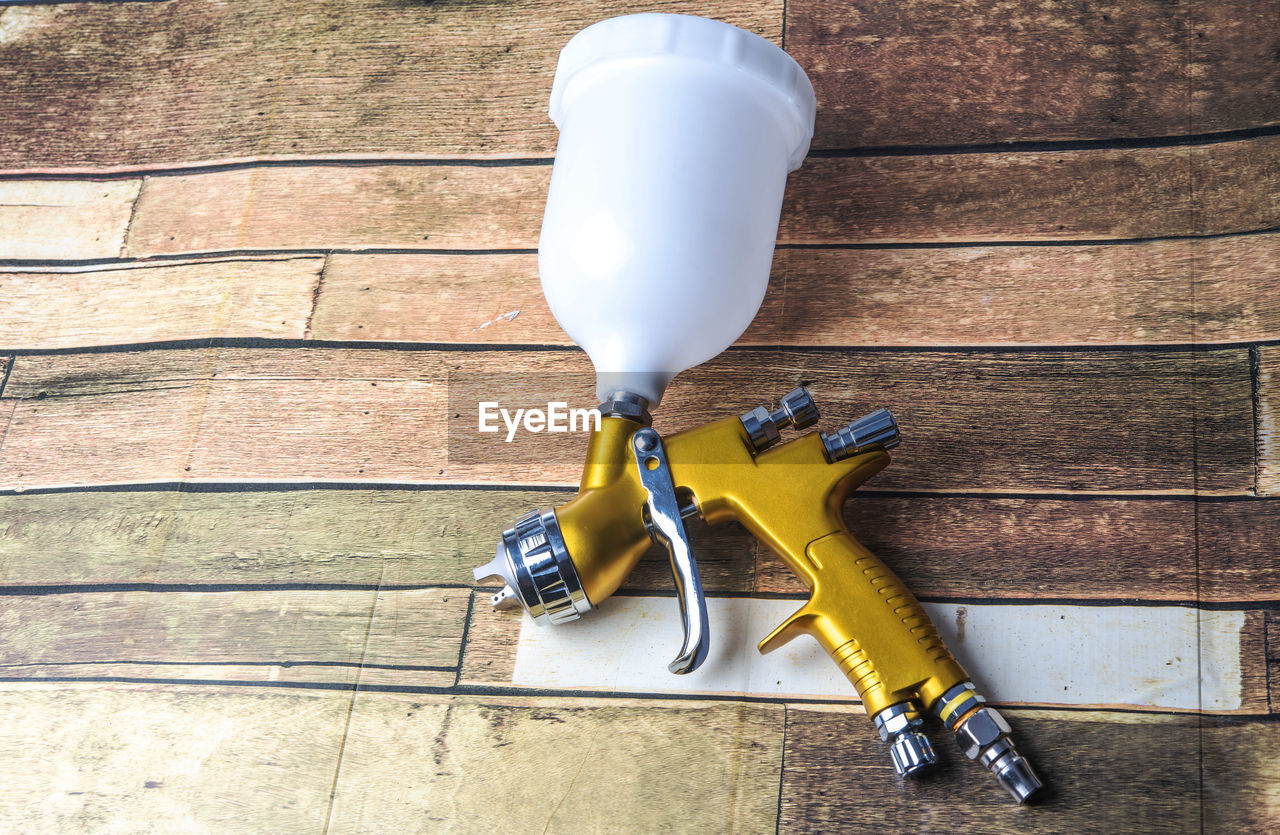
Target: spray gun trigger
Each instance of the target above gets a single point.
(667, 527)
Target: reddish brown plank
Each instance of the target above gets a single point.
(118, 84)
(1028, 196)
(445, 80)
(1072, 195)
(1094, 421)
(1032, 548)
(1216, 290)
(954, 72)
(261, 298)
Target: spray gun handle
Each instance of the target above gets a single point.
(667, 527)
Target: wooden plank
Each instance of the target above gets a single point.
(942, 546)
(341, 207)
(64, 219)
(1162, 657)
(1159, 657)
(428, 764)
(1236, 541)
(1241, 775)
(407, 637)
(441, 80)
(294, 79)
(1271, 644)
(1216, 188)
(1267, 401)
(1153, 292)
(1010, 421)
(1036, 196)
(359, 537)
(837, 773)
(929, 73)
(168, 759)
(264, 298)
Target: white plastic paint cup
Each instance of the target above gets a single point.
(676, 137)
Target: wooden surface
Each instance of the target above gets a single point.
(259, 261)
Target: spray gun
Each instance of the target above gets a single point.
(676, 137)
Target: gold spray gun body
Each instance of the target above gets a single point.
(637, 487)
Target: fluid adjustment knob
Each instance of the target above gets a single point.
(876, 429)
(796, 409)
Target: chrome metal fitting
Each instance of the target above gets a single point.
(984, 735)
(876, 429)
(796, 409)
(909, 749)
(537, 573)
(627, 405)
(957, 702)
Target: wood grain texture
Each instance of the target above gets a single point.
(1091, 194)
(1268, 419)
(929, 73)
(1215, 188)
(168, 758)
(64, 219)
(1036, 548)
(425, 764)
(351, 537)
(1159, 792)
(452, 79)
(1153, 292)
(501, 652)
(1161, 292)
(406, 637)
(97, 85)
(1271, 643)
(263, 298)
(357, 414)
(1241, 775)
(1026, 548)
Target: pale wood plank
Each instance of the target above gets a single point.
(1219, 290)
(65, 219)
(604, 652)
(426, 764)
(356, 414)
(1030, 547)
(270, 635)
(1268, 419)
(295, 79)
(930, 73)
(355, 537)
(838, 774)
(263, 298)
(1019, 654)
(168, 759)
(443, 80)
(1029, 196)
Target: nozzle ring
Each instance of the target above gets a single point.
(545, 578)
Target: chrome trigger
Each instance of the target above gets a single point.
(667, 527)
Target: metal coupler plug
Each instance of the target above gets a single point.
(984, 735)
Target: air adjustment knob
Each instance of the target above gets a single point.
(797, 409)
(876, 429)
